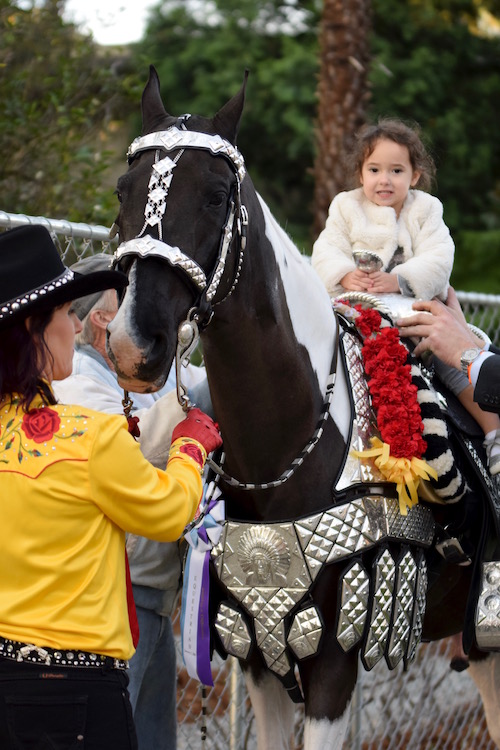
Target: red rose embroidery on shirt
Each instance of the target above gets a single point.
(192, 450)
(41, 424)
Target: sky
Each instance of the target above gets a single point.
(110, 21)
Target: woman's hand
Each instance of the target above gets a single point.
(199, 426)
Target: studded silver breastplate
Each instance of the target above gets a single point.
(269, 569)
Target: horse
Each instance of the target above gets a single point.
(319, 565)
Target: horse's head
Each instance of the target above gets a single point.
(180, 216)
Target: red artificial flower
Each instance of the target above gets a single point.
(40, 425)
(393, 394)
(368, 321)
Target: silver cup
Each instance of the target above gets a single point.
(367, 260)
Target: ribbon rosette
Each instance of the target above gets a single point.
(195, 627)
(406, 473)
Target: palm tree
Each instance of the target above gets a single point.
(342, 94)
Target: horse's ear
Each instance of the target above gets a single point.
(227, 120)
(153, 111)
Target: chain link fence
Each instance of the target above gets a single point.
(430, 707)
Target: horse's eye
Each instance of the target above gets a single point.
(118, 195)
(218, 199)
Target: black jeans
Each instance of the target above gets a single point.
(59, 708)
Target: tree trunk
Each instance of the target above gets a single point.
(342, 95)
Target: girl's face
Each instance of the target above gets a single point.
(60, 340)
(387, 175)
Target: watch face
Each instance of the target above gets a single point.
(468, 356)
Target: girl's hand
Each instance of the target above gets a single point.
(355, 281)
(381, 282)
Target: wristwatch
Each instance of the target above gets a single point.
(467, 358)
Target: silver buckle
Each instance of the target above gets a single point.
(451, 550)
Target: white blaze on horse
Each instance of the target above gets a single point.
(315, 565)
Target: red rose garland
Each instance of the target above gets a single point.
(398, 454)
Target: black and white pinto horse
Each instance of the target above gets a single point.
(340, 568)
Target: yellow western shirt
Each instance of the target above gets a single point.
(72, 481)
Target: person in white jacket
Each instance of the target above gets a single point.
(155, 567)
(402, 229)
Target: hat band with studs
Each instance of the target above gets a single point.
(14, 305)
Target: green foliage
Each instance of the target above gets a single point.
(476, 267)
(428, 66)
(58, 96)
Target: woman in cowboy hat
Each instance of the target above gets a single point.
(72, 481)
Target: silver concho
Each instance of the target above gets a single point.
(305, 634)
(487, 618)
(380, 615)
(420, 601)
(404, 588)
(233, 631)
(353, 606)
(264, 557)
(263, 567)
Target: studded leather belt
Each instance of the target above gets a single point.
(28, 652)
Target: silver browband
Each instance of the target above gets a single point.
(146, 247)
(174, 138)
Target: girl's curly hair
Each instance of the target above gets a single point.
(399, 132)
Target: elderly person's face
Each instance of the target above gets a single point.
(60, 340)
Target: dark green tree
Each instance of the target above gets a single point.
(431, 66)
(201, 60)
(59, 99)
(342, 96)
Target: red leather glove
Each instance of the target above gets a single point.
(200, 427)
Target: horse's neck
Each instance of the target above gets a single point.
(268, 354)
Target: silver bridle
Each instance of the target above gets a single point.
(178, 138)
(162, 174)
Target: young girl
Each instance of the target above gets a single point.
(404, 227)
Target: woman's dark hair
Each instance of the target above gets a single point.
(23, 358)
(399, 132)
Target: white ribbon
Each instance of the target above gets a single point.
(195, 627)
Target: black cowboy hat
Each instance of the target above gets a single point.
(33, 276)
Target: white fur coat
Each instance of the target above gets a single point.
(355, 223)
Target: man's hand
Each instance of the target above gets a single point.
(444, 331)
